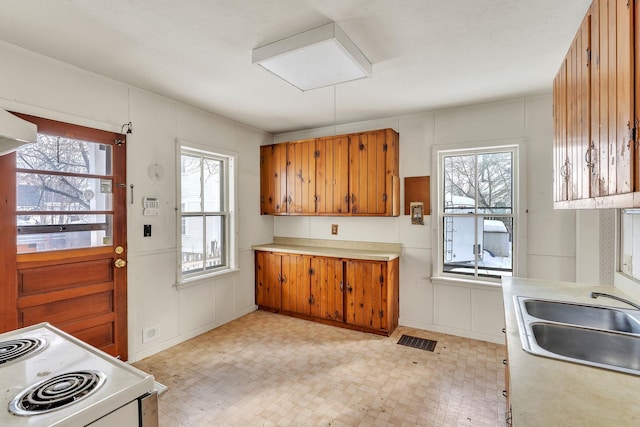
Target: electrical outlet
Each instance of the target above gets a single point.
(334, 229)
(150, 333)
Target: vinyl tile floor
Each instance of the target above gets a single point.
(265, 369)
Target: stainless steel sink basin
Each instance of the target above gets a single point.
(590, 346)
(601, 336)
(584, 315)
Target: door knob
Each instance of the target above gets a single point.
(119, 263)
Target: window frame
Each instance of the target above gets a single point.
(228, 212)
(517, 148)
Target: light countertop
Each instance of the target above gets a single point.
(548, 392)
(372, 251)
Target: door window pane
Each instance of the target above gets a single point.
(64, 197)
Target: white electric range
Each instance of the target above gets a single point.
(49, 378)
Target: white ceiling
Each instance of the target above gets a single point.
(426, 54)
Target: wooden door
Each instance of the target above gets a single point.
(366, 294)
(327, 288)
(301, 177)
(296, 283)
(332, 175)
(273, 179)
(268, 280)
(66, 251)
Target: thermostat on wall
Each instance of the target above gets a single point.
(151, 206)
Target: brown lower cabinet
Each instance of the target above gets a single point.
(355, 294)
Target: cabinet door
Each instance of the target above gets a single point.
(273, 179)
(295, 283)
(301, 177)
(560, 154)
(332, 175)
(366, 294)
(613, 79)
(578, 113)
(367, 173)
(268, 280)
(327, 288)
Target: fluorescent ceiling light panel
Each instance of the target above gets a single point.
(323, 56)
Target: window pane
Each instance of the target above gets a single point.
(460, 244)
(497, 247)
(190, 183)
(495, 183)
(40, 192)
(38, 233)
(215, 241)
(213, 185)
(459, 184)
(192, 245)
(53, 153)
(489, 246)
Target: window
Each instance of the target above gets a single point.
(206, 224)
(476, 214)
(64, 194)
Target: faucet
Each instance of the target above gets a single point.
(595, 295)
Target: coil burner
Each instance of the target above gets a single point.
(13, 350)
(56, 392)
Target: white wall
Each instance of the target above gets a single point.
(37, 85)
(457, 308)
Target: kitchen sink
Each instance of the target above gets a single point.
(584, 315)
(601, 336)
(594, 347)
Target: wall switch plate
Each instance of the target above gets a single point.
(147, 230)
(334, 229)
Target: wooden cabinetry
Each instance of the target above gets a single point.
(369, 295)
(354, 174)
(595, 113)
(355, 294)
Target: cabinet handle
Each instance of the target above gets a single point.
(504, 330)
(284, 279)
(279, 278)
(504, 393)
(589, 158)
(349, 288)
(564, 170)
(504, 362)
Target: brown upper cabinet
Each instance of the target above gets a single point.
(595, 107)
(352, 174)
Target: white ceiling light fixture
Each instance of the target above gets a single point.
(322, 56)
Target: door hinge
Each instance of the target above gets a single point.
(384, 147)
(588, 56)
(381, 314)
(312, 300)
(632, 131)
(381, 279)
(384, 197)
(312, 272)
(316, 154)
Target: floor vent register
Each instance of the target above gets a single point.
(419, 343)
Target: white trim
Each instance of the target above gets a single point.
(518, 147)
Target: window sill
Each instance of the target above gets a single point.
(205, 278)
(470, 283)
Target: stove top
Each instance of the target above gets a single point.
(49, 378)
